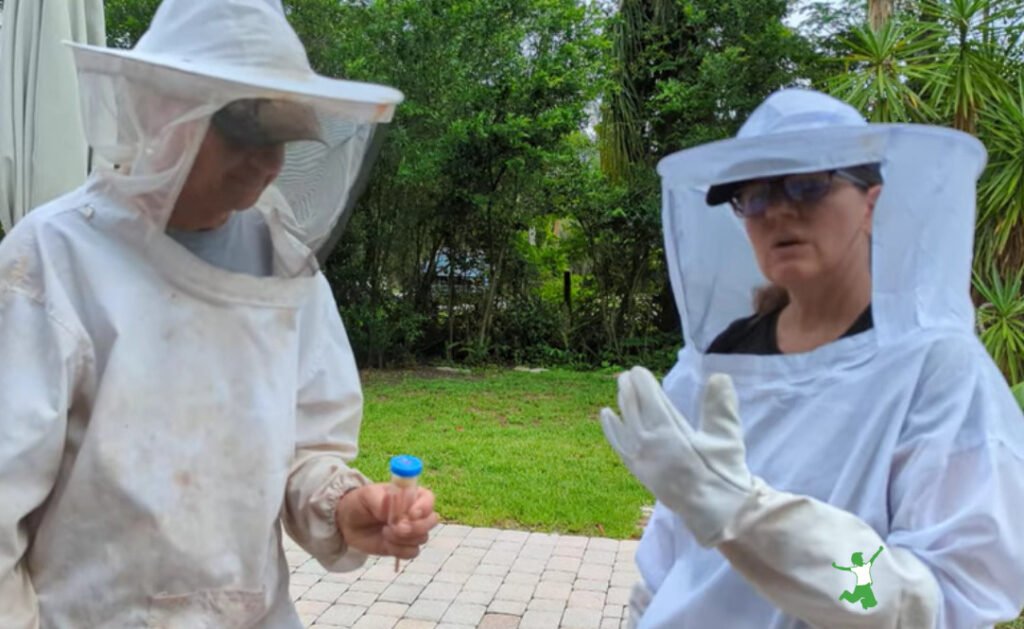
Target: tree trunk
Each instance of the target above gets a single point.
(485, 321)
(879, 12)
(451, 309)
(638, 269)
(423, 299)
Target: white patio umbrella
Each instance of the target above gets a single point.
(43, 151)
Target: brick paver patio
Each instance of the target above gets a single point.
(469, 578)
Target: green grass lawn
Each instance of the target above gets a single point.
(505, 448)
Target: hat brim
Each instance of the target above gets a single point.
(260, 122)
(365, 102)
(273, 136)
(721, 193)
(720, 167)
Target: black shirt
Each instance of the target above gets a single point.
(756, 334)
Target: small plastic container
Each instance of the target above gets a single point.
(405, 475)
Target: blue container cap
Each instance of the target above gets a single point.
(406, 466)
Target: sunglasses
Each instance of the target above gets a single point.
(801, 189)
(259, 122)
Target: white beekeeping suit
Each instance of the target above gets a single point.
(905, 436)
(159, 416)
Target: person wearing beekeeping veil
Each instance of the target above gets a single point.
(176, 386)
(847, 410)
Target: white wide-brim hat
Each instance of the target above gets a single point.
(784, 114)
(222, 50)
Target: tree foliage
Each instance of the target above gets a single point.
(127, 20)
(513, 213)
(494, 90)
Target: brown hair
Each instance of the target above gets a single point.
(770, 298)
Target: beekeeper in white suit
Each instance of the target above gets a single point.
(854, 410)
(174, 378)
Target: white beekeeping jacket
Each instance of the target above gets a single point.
(908, 427)
(160, 418)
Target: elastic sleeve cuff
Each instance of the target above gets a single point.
(325, 500)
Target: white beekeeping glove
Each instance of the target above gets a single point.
(702, 475)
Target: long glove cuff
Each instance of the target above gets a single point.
(710, 510)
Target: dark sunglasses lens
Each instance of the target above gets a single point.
(753, 199)
(239, 132)
(241, 123)
(807, 188)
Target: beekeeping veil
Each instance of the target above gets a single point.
(922, 236)
(147, 110)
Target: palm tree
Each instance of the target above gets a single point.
(1001, 190)
(885, 68)
(972, 58)
(979, 91)
(1001, 320)
(622, 126)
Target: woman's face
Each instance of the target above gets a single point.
(801, 244)
(230, 177)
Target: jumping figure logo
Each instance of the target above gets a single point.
(862, 570)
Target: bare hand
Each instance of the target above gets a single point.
(362, 518)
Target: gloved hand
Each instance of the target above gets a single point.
(700, 475)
